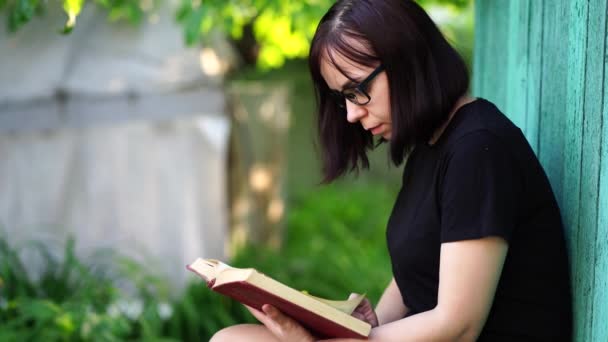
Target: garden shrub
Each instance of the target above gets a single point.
(334, 244)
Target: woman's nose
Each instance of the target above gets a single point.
(354, 112)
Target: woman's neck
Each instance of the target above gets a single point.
(463, 100)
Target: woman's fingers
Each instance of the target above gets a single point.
(260, 316)
(278, 322)
(364, 307)
(285, 328)
(365, 312)
(271, 319)
(359, 315)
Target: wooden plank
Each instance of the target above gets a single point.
(480, 48)
(600, 286)
(517, 63)
(553, 94)
(566, 123)
(590, 160)
(577, 44)
(497, 58)
(535, 61)
(489, 46)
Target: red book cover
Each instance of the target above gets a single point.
(256, 297)
(327, 319)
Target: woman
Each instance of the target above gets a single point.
(475, 237)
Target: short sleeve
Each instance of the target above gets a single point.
(479, 189)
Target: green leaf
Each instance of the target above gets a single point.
(193, 25)
(39, 310)
(20, 13)
(65, 323)
(72, 8)
(183, 11)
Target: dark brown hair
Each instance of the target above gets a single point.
(426, 77)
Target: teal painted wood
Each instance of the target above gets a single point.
(566, 122)
(534, 68)
(553, 92)
(517, 62)
(498, 35)
(480, 50)
(582, 281)
(491, 36)
(590, 170)
(600, 286)
(575, 92)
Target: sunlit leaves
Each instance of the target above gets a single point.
(282, 28)
(19, 12)
(192, 24)
(236, 14)
(279, 39)
(72, 8)
(128, 10)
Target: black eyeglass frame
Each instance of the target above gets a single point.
(342, 96)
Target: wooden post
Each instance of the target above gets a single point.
(553, 84)
(257, 163)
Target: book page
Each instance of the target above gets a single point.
(208, 269)
(346, 306)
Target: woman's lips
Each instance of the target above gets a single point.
(376, 130)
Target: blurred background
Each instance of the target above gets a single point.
(138, 135)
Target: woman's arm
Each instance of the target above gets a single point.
(390, 307)
(468, 275)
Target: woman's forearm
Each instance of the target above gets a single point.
(433, 325)
(390, 307)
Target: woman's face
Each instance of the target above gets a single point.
(374, 116)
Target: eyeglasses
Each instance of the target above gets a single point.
(356, 94)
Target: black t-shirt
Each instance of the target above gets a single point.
(481, 178)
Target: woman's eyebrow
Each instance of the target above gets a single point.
(349, 84)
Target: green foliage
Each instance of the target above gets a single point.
(70, 300)
(199, 313)
(335, 245)
(132, 11)
(335, 242)
(281, 29)
(456, 21)
(271, 31)
(454, 3)
(19, 12)
(72, 8)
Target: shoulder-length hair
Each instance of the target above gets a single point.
(426, 77)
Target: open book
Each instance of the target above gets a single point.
(327, 318)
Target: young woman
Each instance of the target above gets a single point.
(475, 237)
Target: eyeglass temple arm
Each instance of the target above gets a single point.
(378, 70)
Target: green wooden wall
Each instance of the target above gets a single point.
(543, 62)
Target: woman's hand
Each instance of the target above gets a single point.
(282, 327)
(365, 312)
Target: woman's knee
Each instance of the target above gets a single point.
(243, 332)
(222, 335)
(226, 334)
